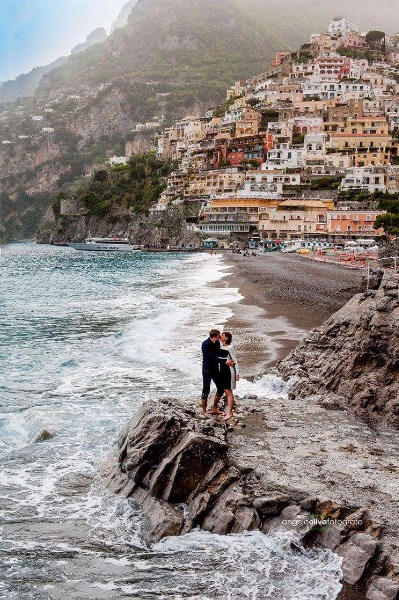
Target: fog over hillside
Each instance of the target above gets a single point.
(367, 14)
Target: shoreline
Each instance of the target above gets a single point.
(309, 448)
(284, 297)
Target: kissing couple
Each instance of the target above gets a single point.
(219, 364)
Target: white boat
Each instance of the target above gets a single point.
(113, 244)
(300, 245)
(291, 246)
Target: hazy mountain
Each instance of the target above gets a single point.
(121, 21)
(183, 41)
(26, 84)
(95, 37)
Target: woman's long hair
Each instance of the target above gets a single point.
(229, 337)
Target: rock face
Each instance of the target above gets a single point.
(353, 359)
(184, 472)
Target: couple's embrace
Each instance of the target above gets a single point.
(219, 365)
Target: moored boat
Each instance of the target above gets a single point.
(113, 244)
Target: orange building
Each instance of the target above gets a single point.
(353, 223)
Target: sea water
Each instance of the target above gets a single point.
(85, 339)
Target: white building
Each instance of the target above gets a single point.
(48, 129)
(37, 118)
(370, 179)
(341, 27)
(284, 156)
(117, 160)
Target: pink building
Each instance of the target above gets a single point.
(354, 41)
(333, 66)
(353, 223)
(279, 58)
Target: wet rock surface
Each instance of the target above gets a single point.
(353, 359)
(282, 464)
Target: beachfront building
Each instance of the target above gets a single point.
(349, 224)
(295, 218)
(233, 216)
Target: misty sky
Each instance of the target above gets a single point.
(36, 32)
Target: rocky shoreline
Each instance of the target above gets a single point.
(292, 462)
(185, 472)
(352, 360)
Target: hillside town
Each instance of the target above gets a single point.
(303, 150)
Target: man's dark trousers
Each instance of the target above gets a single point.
(209, 375)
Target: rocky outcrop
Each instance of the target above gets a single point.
(352, 360)
(186, 472)
(95, 37)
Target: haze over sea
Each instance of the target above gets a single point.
(85, 339)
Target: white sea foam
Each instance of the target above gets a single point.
(95, 337)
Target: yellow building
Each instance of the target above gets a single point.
(217, 181)
(295, 219)
(248, 123)
(369, 125)
(365, 139)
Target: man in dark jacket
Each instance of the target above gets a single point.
(210, 371)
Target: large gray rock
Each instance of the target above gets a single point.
(356, 553)
(383, 588)
(354, 356)
(185, 467)
(185, 472)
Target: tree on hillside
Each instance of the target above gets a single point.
(376, 40)
(389, 222)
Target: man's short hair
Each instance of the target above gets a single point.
(214, 333)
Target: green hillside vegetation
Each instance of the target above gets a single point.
(390, 221)
(19, 218)
(198, 48)
(134, 187)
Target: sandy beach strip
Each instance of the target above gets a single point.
(285, 296)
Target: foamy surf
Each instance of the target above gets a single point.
(88, 340)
